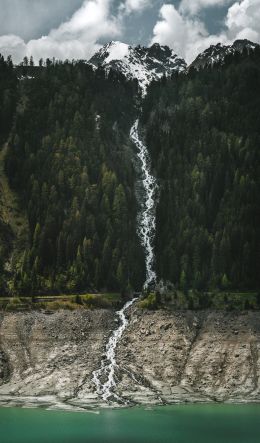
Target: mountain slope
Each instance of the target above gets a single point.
(12, 217)
(143, 64)
(203, 133)
(70, 165)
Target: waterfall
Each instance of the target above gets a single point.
(109, 364)
(146, 219)
(104, 378)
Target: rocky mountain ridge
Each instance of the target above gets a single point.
(146, 64)
(217, 53)
(143, 64)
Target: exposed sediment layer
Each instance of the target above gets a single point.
(163, 357)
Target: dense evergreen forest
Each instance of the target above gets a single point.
(203, 132)
(8, 87)
(69, 162)
(68, 158)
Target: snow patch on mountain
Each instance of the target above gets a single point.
(117, 52)
(143, 64)
(148, 64)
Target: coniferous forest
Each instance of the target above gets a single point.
(70, 163)
(203, 133)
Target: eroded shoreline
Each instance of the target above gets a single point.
(175, 357)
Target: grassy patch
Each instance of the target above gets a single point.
(14, 304)
(101, 300)
(218, 300)
(151, 301)
(67, 302)
(58, 305)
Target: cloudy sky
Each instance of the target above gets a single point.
(76, 28)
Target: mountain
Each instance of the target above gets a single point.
(217, 53)
(69, 173)
(143, 64)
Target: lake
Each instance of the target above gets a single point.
(169, 424)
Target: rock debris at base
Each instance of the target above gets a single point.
(164, 357)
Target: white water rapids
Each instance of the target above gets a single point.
(104, 378)
(147, 221)
(109, 364)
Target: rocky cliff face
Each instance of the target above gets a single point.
(140, 63)
(217, 53)
(164, 357)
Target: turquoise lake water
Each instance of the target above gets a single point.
(170, 424)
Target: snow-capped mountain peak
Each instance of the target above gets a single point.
(143, 64)
(112, 51)
(217, 53)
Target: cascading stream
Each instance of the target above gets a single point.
(109, 365)
(147, 220)
(105, 377)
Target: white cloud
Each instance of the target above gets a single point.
(75, 38)
(33, 18)
(185, 35)
(188, 36)
(243, 20)
(14, 45)
(179, 28)
(129, 6)
(194, 6)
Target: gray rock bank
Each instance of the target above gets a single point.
(164, 357)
